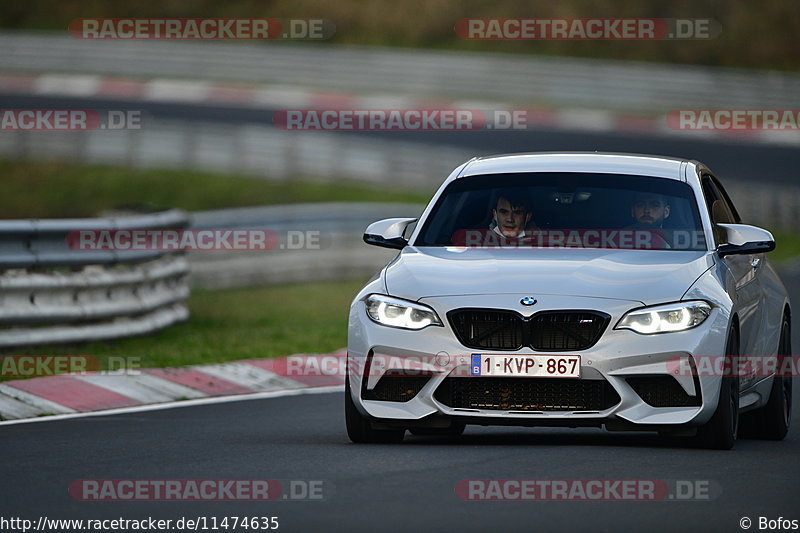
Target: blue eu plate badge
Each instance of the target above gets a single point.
(476, 364)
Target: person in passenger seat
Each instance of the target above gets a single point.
(650, 211)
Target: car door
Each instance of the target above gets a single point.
(747, 292)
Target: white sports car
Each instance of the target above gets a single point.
(572, 289)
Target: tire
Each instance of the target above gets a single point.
(455, 430)
(720, 432)
(359, 428)
(771, 422)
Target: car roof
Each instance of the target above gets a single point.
(592, 162)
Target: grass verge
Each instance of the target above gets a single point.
(55, 190)
(787, 247)
(237, 324)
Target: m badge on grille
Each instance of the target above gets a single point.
(528, 301)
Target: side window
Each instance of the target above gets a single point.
(720, 209)
(709, 194)
(727, 199)
(718, 206)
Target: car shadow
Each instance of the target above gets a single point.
(552, 438)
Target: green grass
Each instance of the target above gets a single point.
(52, 190)
(237, 324)
(787, 246)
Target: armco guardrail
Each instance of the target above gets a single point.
(557, 81)
(245, 149)
(342, 254)
(269, 153)
(54, 294)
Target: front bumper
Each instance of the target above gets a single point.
(434, 354)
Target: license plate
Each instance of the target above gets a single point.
(535, 366)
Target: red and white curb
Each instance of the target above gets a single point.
(70, 394)
(292, 97)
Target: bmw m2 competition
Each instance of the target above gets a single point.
(572, 289)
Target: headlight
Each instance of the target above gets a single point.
(663, 318)
(398, 313)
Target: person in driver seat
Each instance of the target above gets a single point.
(511, 214)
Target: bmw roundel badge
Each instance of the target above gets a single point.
(528, 301)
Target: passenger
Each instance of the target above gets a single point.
(650, 211)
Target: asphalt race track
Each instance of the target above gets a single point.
(405, 487)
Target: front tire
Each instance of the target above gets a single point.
(771, 422)
(359, 428)
(720, 432)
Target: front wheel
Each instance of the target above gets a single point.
(359, 428)
(719, 433)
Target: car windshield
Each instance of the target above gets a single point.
(576, 210)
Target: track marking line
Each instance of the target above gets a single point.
(179, 404)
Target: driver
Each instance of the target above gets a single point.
(511, 214)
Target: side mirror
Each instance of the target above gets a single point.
(744, 239)
(388, 233)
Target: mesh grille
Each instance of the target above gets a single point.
(566, 331)
(394, 386)
(489, 329)
(495, 330)
(526, 394)
(662, 391)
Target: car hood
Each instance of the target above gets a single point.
(646, 276)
